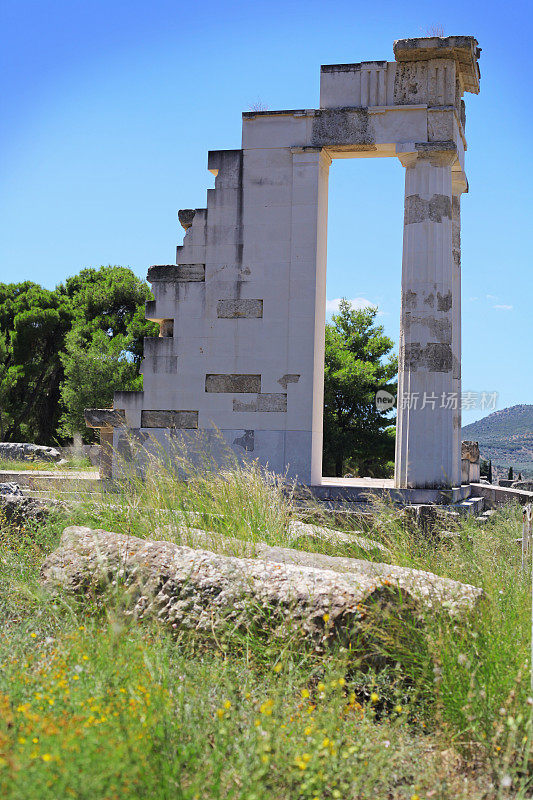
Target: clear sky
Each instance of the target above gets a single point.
(108, 109)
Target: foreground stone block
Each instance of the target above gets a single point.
(201, 590)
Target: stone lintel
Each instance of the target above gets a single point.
(240, 309)
(176, 273)
(268, 402)
(250, 384)
(353, 67)
(104, 417)
(169, 419)
(464, 50)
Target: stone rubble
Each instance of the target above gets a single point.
(25, 451)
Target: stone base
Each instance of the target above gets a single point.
(360, 490)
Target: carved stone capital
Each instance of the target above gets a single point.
(459, 182)
(438, 154)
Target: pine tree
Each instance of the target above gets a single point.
(358, 436)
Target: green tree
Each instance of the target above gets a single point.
(510, 474)
(358, 362)
(34, 324)
(111, 299)
(93, 371)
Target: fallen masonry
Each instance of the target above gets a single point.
(197, 589)
(16, 509)
(25, 451)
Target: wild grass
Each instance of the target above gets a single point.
(94, 706)
(76, 464)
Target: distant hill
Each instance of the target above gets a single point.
(506, 437)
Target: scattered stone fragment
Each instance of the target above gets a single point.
(24, 451)
(15, 509)
(10, 488)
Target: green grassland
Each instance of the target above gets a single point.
(93, 705)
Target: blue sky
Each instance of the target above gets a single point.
(109, 108)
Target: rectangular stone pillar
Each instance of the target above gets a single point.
(106, 453)
(426, 385)
(459, 185)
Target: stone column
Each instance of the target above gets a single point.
(425, 424)
(459, 185)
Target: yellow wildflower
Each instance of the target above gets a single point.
(305, 693)
(227, 705)
(374, 697)
(266, 707)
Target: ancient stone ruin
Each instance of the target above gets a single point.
(242, 311)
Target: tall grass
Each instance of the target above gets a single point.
(94, 706)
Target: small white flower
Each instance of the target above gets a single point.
(506, 781)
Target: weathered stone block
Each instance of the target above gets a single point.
(233, 383)
(186, 216)
(240, 309)
(288, 378)
(463, 50)
(470, 451)
(104, 417)
(434, 357)
(342, 126)
(169, 419)
(418, 209)
(268, 402)
(176, 273)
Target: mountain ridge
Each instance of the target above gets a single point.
(506, 438)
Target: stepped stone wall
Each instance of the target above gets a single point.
(242, 311)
